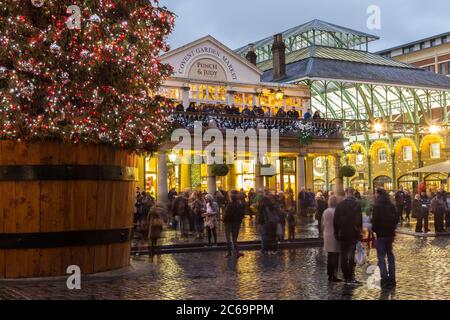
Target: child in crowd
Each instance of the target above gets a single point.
(291, 220)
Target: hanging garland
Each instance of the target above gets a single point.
(305, 138)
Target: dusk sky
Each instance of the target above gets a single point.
(239, 22)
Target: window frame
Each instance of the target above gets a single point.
(409, 153)
(436, 155)
(385, 158)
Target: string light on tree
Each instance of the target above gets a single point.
(84, 76)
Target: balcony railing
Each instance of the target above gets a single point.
(319, 128)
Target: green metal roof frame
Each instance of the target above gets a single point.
(314, 25)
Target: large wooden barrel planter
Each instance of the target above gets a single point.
(63, 205)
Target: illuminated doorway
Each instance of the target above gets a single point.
(436, 181)
(289, 172)
(384, 182)
(410, 183)
(245, 174)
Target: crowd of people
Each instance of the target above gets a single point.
(343, 227)
(199, 213)
(255, 111)
(343, 220)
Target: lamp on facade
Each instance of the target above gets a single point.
(434, 129)
(172, 157)
(378, 127)
(279, 95)
(265, 160)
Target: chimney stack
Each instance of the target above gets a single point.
(279, 57)
(251, 55)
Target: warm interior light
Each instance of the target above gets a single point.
(279, 95)
(173, 157)
(434, 129)
(265, 160)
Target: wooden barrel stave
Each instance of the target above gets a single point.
(57, 206)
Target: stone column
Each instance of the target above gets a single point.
(254, 100)
(393, 175)
(185, 96)
(327, 174)
(230, 97)
(310, 173)
(301, 172)
(339, 181)
(212, 181)
(259, 180)
(163, 188)
(301, 176)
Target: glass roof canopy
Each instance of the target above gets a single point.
(351, 84)
(313, 33)
(368, 102)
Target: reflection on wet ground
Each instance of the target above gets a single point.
(306, 228)
(423, 273)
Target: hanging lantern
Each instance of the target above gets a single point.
(279, 95)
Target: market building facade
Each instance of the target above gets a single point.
(393, 115)
(208, 78)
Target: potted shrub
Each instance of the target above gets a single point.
(347, 171)
(219, 170)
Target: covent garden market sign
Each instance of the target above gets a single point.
(207, 68)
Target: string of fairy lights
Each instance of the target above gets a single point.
(86, 77)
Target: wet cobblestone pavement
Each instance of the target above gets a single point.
(423, 273)
(306, 229)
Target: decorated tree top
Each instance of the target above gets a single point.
(83, 71)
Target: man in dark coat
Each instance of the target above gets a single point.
(293, 113)
(400, 199)
(232, 218)
(348, 231)
(303, 202)
(181, 213)
(447, 199)
(384, 223)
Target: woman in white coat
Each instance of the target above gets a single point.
(331, 245)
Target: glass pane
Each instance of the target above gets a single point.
(264, 101)
(407, 153)
(212, 93)
(202, 92)
(222, 94)
(435, 149)
(174, 94)
(249, 99)
(193, 94)
(238, 100)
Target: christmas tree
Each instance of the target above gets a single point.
(83, 71)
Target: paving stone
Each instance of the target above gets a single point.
(422, 270)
